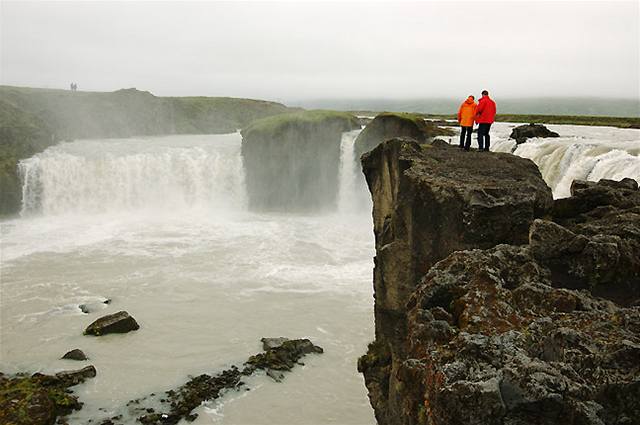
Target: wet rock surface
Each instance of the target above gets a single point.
(40, 399)
(534, 325)
(120, 322)
(528, 131)
(75, 354)
(281, 355)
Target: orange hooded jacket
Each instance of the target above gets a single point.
(467, 112)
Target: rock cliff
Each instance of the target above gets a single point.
(292, 161)
(493, 303)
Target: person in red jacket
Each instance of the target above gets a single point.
(485, 115)
(466, 115)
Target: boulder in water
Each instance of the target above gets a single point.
(524, 132)
(119, 322)
(75, 354)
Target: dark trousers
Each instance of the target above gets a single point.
(484, 140)
(465, 132)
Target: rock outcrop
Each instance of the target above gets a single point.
(39, 399)
(119, 322)
(280, 355)
(495, 304)
(292, 161)
(528, 131)
(388, 125)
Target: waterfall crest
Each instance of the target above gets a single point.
(93, 176)
(581, 153)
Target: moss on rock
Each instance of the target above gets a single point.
(292, 160)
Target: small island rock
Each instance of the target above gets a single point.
(75, 354)
(527, 131)
(119, 322)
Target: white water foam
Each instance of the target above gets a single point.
(97, 176)
(349, 174)
(159, 225)
(580, 153)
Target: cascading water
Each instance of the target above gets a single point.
(160, 226)
(581, 153)
(349, 174)
(94, 176)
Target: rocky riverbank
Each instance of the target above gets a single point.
(495, 304)
(42, 399)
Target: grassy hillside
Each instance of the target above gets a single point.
(32, 119)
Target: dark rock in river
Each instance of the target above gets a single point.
(280, 355)
(490, 299)
(292, 161)
(75, 354)
(39, 399)
(528, 131)
(119, 322)
(270, 343)
(388, 125)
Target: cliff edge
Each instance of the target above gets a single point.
(493, 303)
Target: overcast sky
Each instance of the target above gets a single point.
(299, 50)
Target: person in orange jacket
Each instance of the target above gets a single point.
(485, 116)
(466, 115)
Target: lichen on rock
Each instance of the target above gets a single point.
(495, 304)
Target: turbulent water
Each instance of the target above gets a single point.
(580, 153)
(159, 225)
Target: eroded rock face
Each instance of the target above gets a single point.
(524, 132)
(292, 161)
(488, 307)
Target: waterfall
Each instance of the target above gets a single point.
(561, 163)
(581, 153)
(349, 196)
(161, 174)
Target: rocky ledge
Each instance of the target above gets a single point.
(495, 304)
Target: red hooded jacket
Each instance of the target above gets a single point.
(486, 110)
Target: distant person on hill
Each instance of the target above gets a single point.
(485, 116)
(466, 115)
